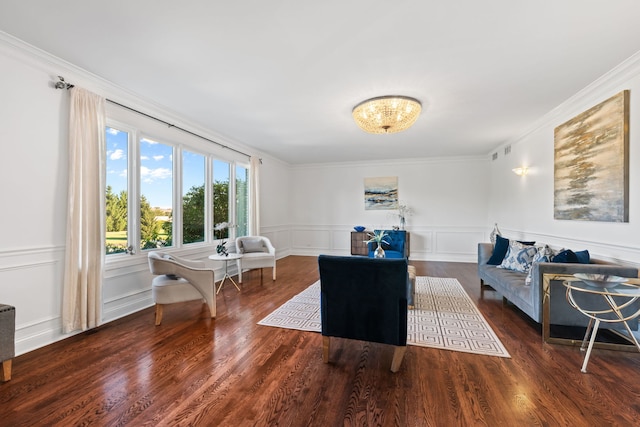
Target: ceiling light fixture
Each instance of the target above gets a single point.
(386, 114)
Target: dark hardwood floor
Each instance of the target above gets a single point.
(195, 371)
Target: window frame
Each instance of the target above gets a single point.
(139, 129)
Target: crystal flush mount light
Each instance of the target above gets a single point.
(387, 114)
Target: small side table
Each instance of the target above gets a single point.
(226, 259)
(629, 290)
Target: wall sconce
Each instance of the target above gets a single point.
(521, 171)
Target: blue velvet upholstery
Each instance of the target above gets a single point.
(396, 247)
(364, 298)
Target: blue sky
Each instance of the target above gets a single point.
(156, 168)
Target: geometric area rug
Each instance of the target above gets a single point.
(444, 317)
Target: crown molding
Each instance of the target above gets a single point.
(602, 88)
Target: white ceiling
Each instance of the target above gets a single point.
(283, 75)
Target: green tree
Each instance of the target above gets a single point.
(167, 227)
(116, 215)
(149, 227)
(193, 215)
(241, 206)
(221, 207)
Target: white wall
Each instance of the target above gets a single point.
(523, 206)
(449, 198)
(275, 203)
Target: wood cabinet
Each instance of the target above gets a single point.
(358, 245)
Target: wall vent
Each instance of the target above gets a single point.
(494, 156)
(507, 150)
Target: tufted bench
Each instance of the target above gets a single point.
(7, 339)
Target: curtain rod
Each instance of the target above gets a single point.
(61, 84)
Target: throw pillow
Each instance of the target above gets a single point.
(543, 254)
(519, 257)
(249, 246)
(583, 256)
(567, 256)
(499, 251)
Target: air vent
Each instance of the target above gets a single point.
(494, 156)
(507, 150)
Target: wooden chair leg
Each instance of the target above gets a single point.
(325, 349)
(158, 314)
(6, 370)
(398, 355)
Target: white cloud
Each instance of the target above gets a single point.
(117, 154)
(122, 173)
(144, 157)
(148, 141)
(151, 175)
(158, 157)
(113, 131)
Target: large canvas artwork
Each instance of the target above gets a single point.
(591, 168)
(381, 193)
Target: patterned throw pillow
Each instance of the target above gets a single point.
(519, 257)
(544, 254)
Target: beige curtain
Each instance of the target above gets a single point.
(84, 258)
(255, 197)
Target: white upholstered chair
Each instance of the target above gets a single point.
(257, 252)
(180, 280)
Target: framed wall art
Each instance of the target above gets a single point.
(381, 193)
(591, 163)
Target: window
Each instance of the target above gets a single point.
(162, 192)
(221, 179)
(193, 213)
(242, 201)
(117, 193)
(156, 194)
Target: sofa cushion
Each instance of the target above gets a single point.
(583, 256)
(565, 256)
(499, 251)
(519, 257)
(544, 254)
(252, 245)
(501, 248)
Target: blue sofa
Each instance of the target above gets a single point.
(397, 246)
(528, 298)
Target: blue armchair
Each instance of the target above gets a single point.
(398, 246)
(364, 299)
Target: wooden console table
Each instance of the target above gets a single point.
(359, 247)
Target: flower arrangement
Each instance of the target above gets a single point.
(221, 249)
(378, 236)
(222, 225)
(403, 211)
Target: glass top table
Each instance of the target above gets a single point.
(617, 298)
